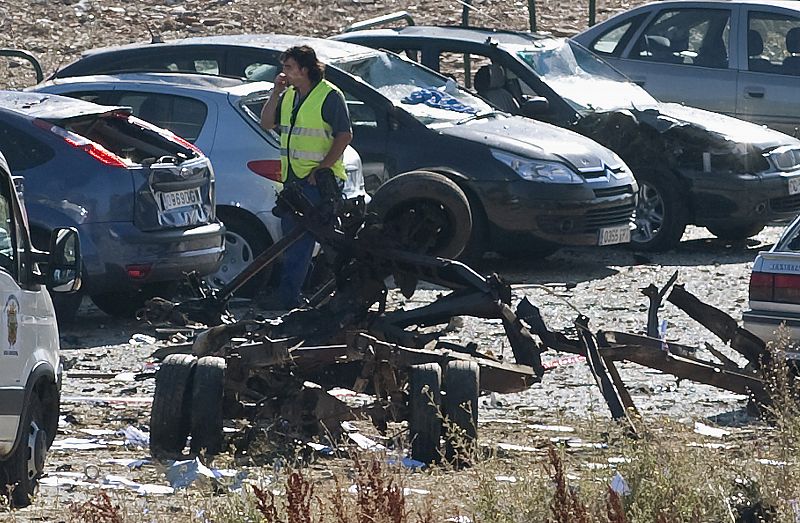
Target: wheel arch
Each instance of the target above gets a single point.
(245, 216)
(41, 382)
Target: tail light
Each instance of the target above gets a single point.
(270, 169)
(166, 133)
(787, 288)
(783, 288)
(138, 272)
(761, 286)
(93, 149)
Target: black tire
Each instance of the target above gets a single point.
(736, 232)
(424, 400)
(207, 399)
(661, 212)
(244, 241)
(26, 464)
(170, 414)
(413, 203)
(461, 385)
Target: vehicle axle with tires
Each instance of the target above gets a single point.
(263, 370)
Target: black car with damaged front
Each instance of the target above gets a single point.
(530, 186)
(693, 166)
(141, 198)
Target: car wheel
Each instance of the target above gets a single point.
(424, 400)
(661, 214)
(243, 243)
(23, 469)
(426, 212)
(461, 385)
(736, 232)
(206, 413)
(169, 416)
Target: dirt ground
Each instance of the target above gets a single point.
(103, 355)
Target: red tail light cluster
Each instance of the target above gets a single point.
(784, 288)
(270, 169)
(93, 149)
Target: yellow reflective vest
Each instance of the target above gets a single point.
(306, 142)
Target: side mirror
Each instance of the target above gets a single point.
(535, 106)
(64, 263)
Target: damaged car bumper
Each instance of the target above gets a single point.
(583, 214)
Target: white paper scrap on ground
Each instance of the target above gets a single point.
(713, 432)
(619, 485)
(505, 479)
(183, 473)
(458, 519)
(518, 448)
(551, 428)
(98, 432)
(79, 444)
(364, 442)
(135, 437)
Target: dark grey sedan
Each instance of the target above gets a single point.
(740, 58)
(141, 198)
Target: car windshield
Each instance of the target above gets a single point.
(585, 81)
(430, 98)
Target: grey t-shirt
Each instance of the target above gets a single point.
(334, 112)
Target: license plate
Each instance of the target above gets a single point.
(614, 235)
(794, 185)
(175, 199)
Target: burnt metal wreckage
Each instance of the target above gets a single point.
(277, 372)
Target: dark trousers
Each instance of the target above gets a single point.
(297, 258)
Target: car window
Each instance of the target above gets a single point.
(182, 115)
(7, 247)
(252, 66)
(428, 97)
(773, 43)
(613, 41)
(461, 67)
(22, 151)
(686, 36)
(97, 97)
(192, 61)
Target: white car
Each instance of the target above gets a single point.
(30, 369)
(775, 288)
(220, 116)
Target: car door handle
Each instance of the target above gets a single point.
(754, 92)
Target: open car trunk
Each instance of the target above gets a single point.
(173, 180)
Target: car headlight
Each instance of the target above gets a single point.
(537, 170)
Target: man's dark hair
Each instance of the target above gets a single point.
(306, 57)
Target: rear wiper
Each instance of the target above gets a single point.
(479, 116)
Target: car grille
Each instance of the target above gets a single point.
(786, 203)
(589, 223)
(613, 191)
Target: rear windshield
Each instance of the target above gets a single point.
(128, 139)
(22, 151)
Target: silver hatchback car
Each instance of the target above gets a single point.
(740, 58)
(220, 116)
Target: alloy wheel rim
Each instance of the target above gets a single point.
(649, 214)
(238, 255)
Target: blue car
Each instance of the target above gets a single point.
(141, 198)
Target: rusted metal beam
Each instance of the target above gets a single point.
(722, 325)
(656, 296)
(601, 375)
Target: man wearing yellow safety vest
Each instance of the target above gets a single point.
(311, 116)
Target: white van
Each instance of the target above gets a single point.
(30, 370)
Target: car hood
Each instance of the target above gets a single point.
(536, 140)
(723, 127)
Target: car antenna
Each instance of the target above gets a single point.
(154, 38)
